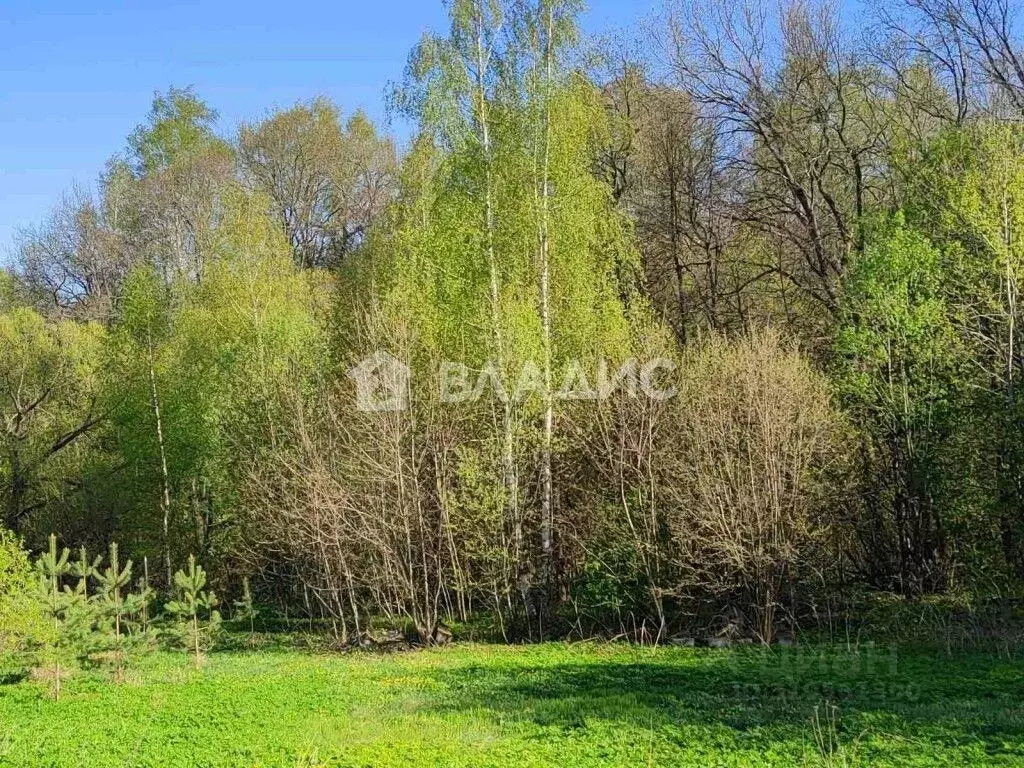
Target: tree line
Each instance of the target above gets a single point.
(814, 224)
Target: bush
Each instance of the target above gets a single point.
(21, 616)
(757, 433)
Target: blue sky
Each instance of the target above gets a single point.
(76, 76)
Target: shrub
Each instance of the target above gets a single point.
(756, 435)
(21, 616)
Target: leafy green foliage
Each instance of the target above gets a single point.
(22, 622)
(172, 352)
(49, 383)
(903, 376)
(930, 369)
(180, 125)
(217, 355)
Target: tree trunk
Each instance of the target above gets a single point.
(509, 474)
(544, 191)
(165, 487)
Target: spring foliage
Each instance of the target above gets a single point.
(819, 257)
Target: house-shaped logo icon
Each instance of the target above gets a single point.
(382, 383)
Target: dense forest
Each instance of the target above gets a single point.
(807, 227)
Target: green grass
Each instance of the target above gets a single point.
(546, 705)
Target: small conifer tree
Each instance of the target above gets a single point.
(245, 609)
(195, 610)
(79, 611)
(84, 569)
(51, 568)
(119, 607)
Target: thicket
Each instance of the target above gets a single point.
(808, 245)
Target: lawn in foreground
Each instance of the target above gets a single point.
(543, 705)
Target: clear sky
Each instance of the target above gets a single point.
(76, 76)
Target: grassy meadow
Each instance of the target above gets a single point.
(522, 706)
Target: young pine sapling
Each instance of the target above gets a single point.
(245, 609)
(84, 569)
(80, 614)
(195, 610)
(51, 568)
(119, 606)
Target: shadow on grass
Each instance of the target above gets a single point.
(13, 677)
(902, 696)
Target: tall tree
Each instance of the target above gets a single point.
(328, 182)
(181, 167)
(793, 95)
